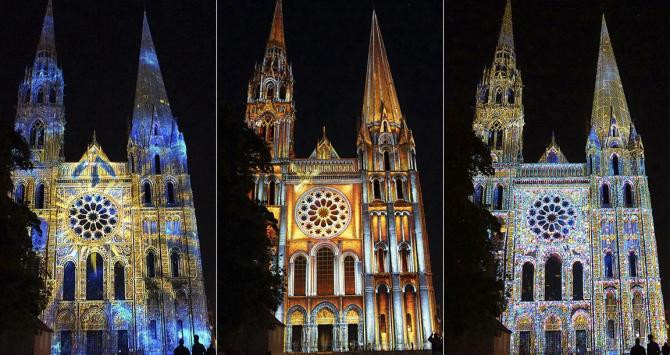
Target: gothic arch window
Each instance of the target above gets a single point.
(325, 276)
(376, 189)
(410, 311)
(400, 193)
(605, 196)
(404, 258)
(527, 282)
(385, 126)
(387, 161)
(382, 307)
(577, 281)
(499, 139)
(413, 159)
(151, 264)
(147, 193)
(119, 281)
(272, 193)
(174, 263)
(131, 162)
(37, 135)
(269, 133)
(20, 194)
(39, 196)
(498, 96)
(609, 267)
(380, 255)
(632, 264)
(270, 91)
(479, 195)
(94, 277)
(610, 329)
(349, 275)
(628, 195)
(282, 92)
(40, 96)
(68, 281)
(53, 95)
(615, 165)
(157, 164)
(510, 96)
(498, 198)
(552, 279)
(169, 192)
(299, 276)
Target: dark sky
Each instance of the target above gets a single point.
(557, 52)
(98, 48)
(327, 44)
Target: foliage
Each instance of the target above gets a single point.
(474, 290)
(24, 292)
(250, 282)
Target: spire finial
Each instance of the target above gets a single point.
(506, 38)
(323, 130)
(47, 43)
(276, 37)
(94, 140)
(553, 137)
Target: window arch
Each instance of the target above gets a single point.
(499, 139)
(632, 264)
(119, 281)
(527, 281)
(400, 193)
(151, 264)
(498, 198)
(174, 263)
(147, 193)
(609, 270)
(615, 165)
(376, 189)
(404, 258)
(349, 275)
(68, 281)
(270, 91)
(552, 279)
(94, 277)
(387, 161)
(478, 195)
(132, 163)
(577, 281)
(628, 195)
(169, 192)
(380, 255)
(510, 96)
(610, 329)
(53, 95)
(282, 92)
(325, 277)
(498, 96)
(382, 307)
(157, 164)
(40, 96)
(37, 135)
(605, 196)
(20, 194)
(272, 193)
(299, 275)
(39, 196)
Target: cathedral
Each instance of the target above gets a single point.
(577, 244)
(352, 239)
(119, 239)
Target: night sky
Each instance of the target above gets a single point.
(557, 51)
(327, 44)
(98, 48)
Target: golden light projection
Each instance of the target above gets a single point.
(323, 212)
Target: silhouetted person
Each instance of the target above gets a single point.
(435, 343)
(181, 349)
(197, 349)
(652, 346)
(637, 349)
(210, 350)
(665, 350)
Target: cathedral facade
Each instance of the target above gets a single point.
(119, 239)
(577, 244)
(352, 239)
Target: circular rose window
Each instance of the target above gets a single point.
(92, 216)
(322, 212)
(551, 217)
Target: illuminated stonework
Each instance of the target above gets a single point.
(120, 238)
(322, 212)
(577, 247)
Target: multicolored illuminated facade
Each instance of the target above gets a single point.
(577, 247)
(352, 237)
(119, 239)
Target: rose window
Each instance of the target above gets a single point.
(551, 217)
(93, 216)
(322, 212)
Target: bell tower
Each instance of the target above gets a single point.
(499, 118)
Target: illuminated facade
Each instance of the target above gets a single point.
(577, 247)
(119, 238)
(352, 236)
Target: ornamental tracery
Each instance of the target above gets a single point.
(93, 216)
(551, 217)
(322, 212)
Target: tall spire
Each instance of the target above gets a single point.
(47, 43)
(276, 38)
(380, 100)
(506, 38)
(609, 101)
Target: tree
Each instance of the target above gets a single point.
(24, 293)
(250, 282)
(474, 289)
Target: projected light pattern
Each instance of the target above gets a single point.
(93, 216)
(551, 217)
(323, 212)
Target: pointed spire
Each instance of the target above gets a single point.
(380, 97)
(94, 140)
(506, 38)
(609, 101)
(47, 44)
(276, 38)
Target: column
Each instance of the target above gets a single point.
(397, 312)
